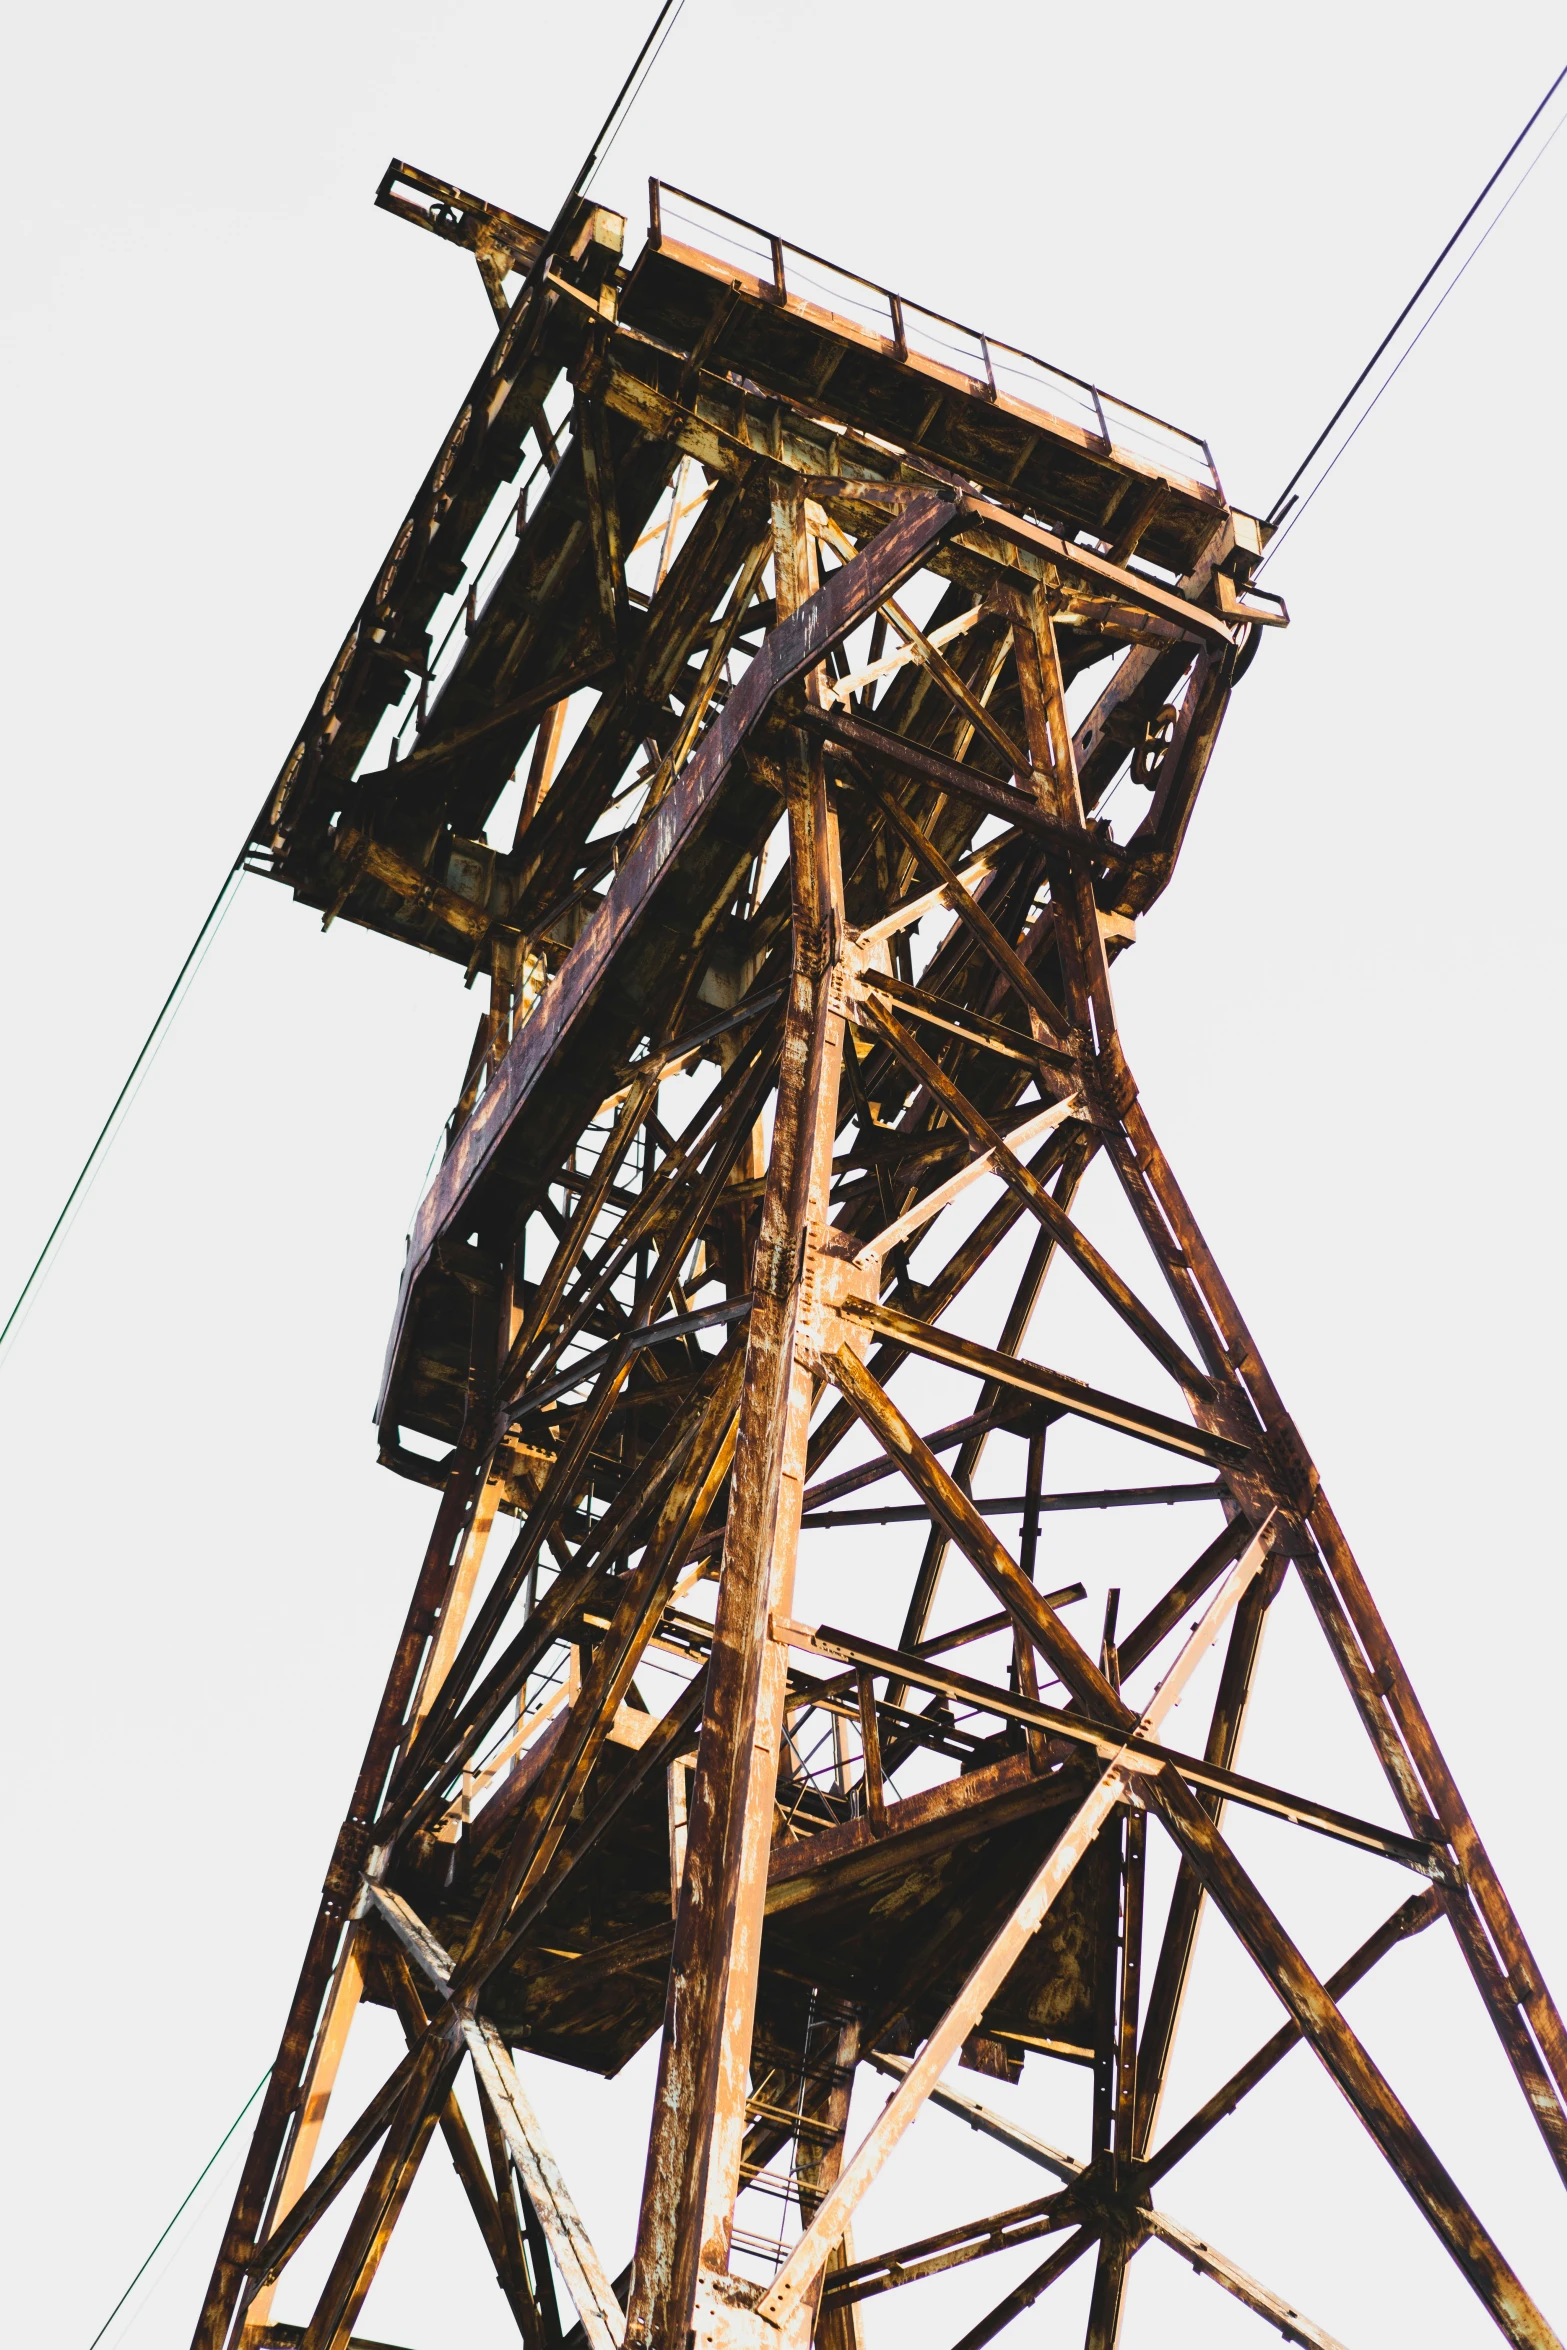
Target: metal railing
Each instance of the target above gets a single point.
(502, 524)
(798, 279)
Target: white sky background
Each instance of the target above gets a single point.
(226, 372)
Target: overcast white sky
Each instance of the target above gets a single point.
(225, 374)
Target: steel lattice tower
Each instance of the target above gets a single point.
(754, 597)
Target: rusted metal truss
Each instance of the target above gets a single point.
(741, 697)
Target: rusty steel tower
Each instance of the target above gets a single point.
(738, 701)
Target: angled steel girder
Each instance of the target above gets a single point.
(712, 703)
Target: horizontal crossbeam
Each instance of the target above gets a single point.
(1089, 1403)
(1006, 1505)
(1105, 1738)
(952, 2248)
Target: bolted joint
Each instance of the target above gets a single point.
(340, 1886)
(831, 1274)
(777, 1267)
(725, 2317)
(812, 948)
(1110, 1085)
(1294, 1472)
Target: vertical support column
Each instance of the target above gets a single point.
(1025, 1665)
(1107, 2304)
(1184, 1916)
(1108, 2299)
(693, 2166)
(1108, 1900)
(1113, 2144)
(818, 2161)
(1131, 1984)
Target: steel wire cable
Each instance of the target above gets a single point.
(609, 130)
(1276, 510)
(607, 136)
(614, 122)
(183, 2208)
(1406, 354)
(143, 1061)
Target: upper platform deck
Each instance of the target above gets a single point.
(586, 571)
(487, 610)
(1052, 445)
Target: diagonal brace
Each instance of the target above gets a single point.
(897, 2116)
(585, 2276)
(1090, 1403)
(1167, 1351)
(1347, 2063)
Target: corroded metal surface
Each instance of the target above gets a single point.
(743, 700)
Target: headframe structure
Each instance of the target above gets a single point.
(712, 705)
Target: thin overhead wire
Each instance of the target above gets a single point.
(1408, 352)
(609, 130)
(110, 1127)
(1275, 510)
(184, 2207)
(607, 136)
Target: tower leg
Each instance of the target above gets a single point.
(693, 2169)
(289, 2105)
